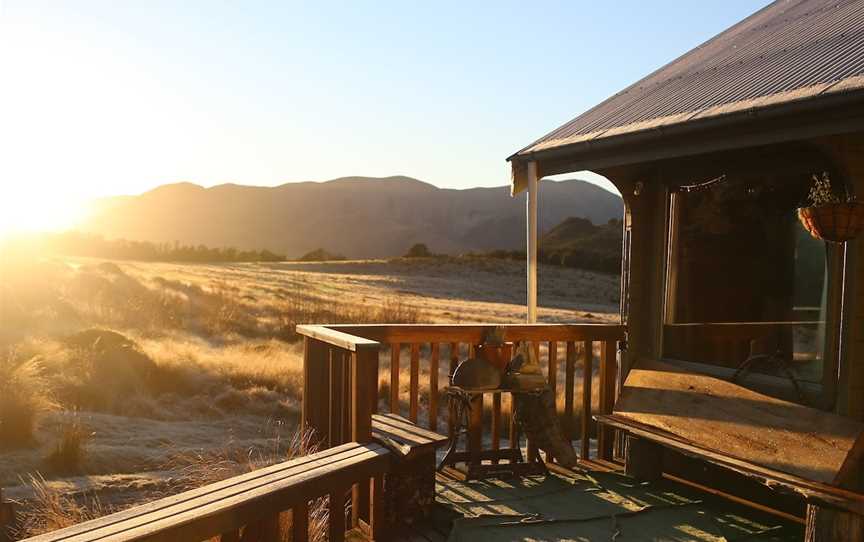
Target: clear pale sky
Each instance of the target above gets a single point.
(115, 97)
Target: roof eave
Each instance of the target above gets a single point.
(698, 125)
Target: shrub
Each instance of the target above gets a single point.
(418, 250)
(320, 255)
(103, 368)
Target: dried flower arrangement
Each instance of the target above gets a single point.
(821, 193)
(829, 216)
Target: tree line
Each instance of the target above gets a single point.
(96, 246)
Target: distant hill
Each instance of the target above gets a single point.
(354, 216)
(577, 242)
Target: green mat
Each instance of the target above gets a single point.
(601, 506)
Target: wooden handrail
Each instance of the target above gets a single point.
(476, 333)
(253, 502)
(332, 335)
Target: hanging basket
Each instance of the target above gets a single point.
(834, 222)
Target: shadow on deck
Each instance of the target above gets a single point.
(595, 505)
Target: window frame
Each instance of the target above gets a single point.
(821, 395)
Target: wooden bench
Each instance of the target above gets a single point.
(790, 448)
(409, 487)
(249, 507)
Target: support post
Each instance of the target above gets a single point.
(7, 518)
(643, 460)
(824, 524)
(316, 390)
(533, 183)
(364, 402)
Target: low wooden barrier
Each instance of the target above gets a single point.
(260, 506)
(7, 518)
(341, 370)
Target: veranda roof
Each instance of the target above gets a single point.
(789, 51)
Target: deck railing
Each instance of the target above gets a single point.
(267, 505)
(341, 370)
(342, 387)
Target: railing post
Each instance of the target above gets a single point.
(336, 517)
(364, 403)
(316, 390)
(364, 395)
(300, 522)
(7, 518)
(608, 381)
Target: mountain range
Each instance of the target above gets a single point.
(359, 217)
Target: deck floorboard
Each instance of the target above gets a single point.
(598, 504)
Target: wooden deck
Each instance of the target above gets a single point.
(599, 504)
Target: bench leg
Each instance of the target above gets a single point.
(643, 460)
(824, 524)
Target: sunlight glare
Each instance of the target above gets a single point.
(29, 211)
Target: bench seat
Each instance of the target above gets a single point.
(227, 506)
(404, 437)
(808, 453)
(409, 486)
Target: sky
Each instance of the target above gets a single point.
(109, 97)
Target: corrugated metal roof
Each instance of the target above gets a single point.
(790, 50)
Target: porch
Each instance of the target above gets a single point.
(353, 372)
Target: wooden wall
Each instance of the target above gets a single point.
(646, 216)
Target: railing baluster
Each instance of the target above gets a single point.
(569, 382)
(608, 370)
(336, 523)
(511, 426)
(271, 529)
(265, 530)
(587, 376)
(300, 522)
(553, 367)
(337, 398)
(475, 428)
(395, 349)
(377, 515)
(433, 386)
(415, 382)
(348, 401)
(496, 421)
(454, 361)
(552, 377)
(531, 449)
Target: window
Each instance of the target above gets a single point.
(747, 289)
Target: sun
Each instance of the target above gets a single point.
(28, 211)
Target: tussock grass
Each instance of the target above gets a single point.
(53, 509)
(70, 449)
(23, 399)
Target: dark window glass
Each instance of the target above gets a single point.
(746, 285)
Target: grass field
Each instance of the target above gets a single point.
(124, 381)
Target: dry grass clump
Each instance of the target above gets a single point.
(52, 509)
(23, 399)
(68, 454)
(99, 369)
(200, 468)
